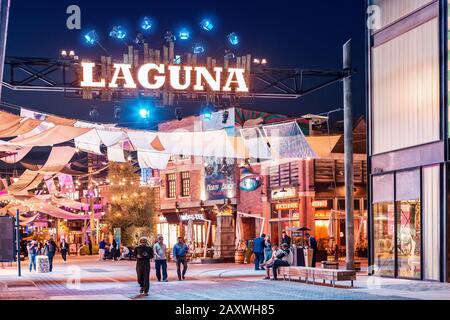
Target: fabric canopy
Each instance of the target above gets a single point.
(287, 141)
(111, 138)
(153, 160)
(55, 135)
(16, 156)
(115, 153)
(89, 142)
(16, 129)
(27, 181)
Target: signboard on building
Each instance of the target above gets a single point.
(320, 204)
(7, 252)
(285, 193)
(287, 206)
(152, 76)
(192, 216)
(219, 178)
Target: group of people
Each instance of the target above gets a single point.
(48, 249)
(112, 251)
(269, 256)
(145, 253)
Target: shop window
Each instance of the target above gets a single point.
(341, 204)
(409, 239)
(384, 235)
(171, 185)
(185, 184)
(285, 214)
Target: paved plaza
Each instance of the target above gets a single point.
(85, 278)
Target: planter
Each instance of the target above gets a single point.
(239, 257)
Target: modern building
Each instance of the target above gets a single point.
(408, 138)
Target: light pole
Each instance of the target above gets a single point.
(348, 145)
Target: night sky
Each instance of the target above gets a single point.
(290, 34)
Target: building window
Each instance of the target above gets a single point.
(171, 185)
(184, 157)
(284, 175)
(185, 184)
(172, 158)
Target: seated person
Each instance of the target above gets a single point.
(281, 259)
(269, 263)
(125, 253)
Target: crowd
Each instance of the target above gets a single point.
(268, 256)
(144, 254)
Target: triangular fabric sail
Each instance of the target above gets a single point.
(287, 141)
(157, 145)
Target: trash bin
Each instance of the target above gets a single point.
(42, 264)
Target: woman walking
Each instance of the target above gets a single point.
(267, 249)
(32, 252)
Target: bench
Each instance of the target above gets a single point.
(332, 275)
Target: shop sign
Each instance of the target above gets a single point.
(320, 204)
(153, 77)
(286, 206)
(193, 217)
(287, 194)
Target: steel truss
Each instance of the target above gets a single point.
(64, 75)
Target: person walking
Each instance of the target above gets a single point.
(179, 254)
(64, 247)
(258, 250)
(159, 250)
(267, 249)
(32, 252)
(101, 250)
(313, 245)
(50, 250)
(144, 253)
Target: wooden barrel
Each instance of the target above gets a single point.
(239, 257)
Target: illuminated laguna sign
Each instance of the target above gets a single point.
(152, 76)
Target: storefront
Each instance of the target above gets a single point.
(408, 112)
(285, 208)
(195, 226)
(406, 223)
(329, 225)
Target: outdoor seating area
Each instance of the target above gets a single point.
(314, 274)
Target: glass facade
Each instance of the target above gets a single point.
(408, 239)
(384, 235)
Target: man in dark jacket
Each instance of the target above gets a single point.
(144, 253)
(50, 250)
(285, 239)
(313, 245)
(258, 249)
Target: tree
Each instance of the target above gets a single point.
(132, 207)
